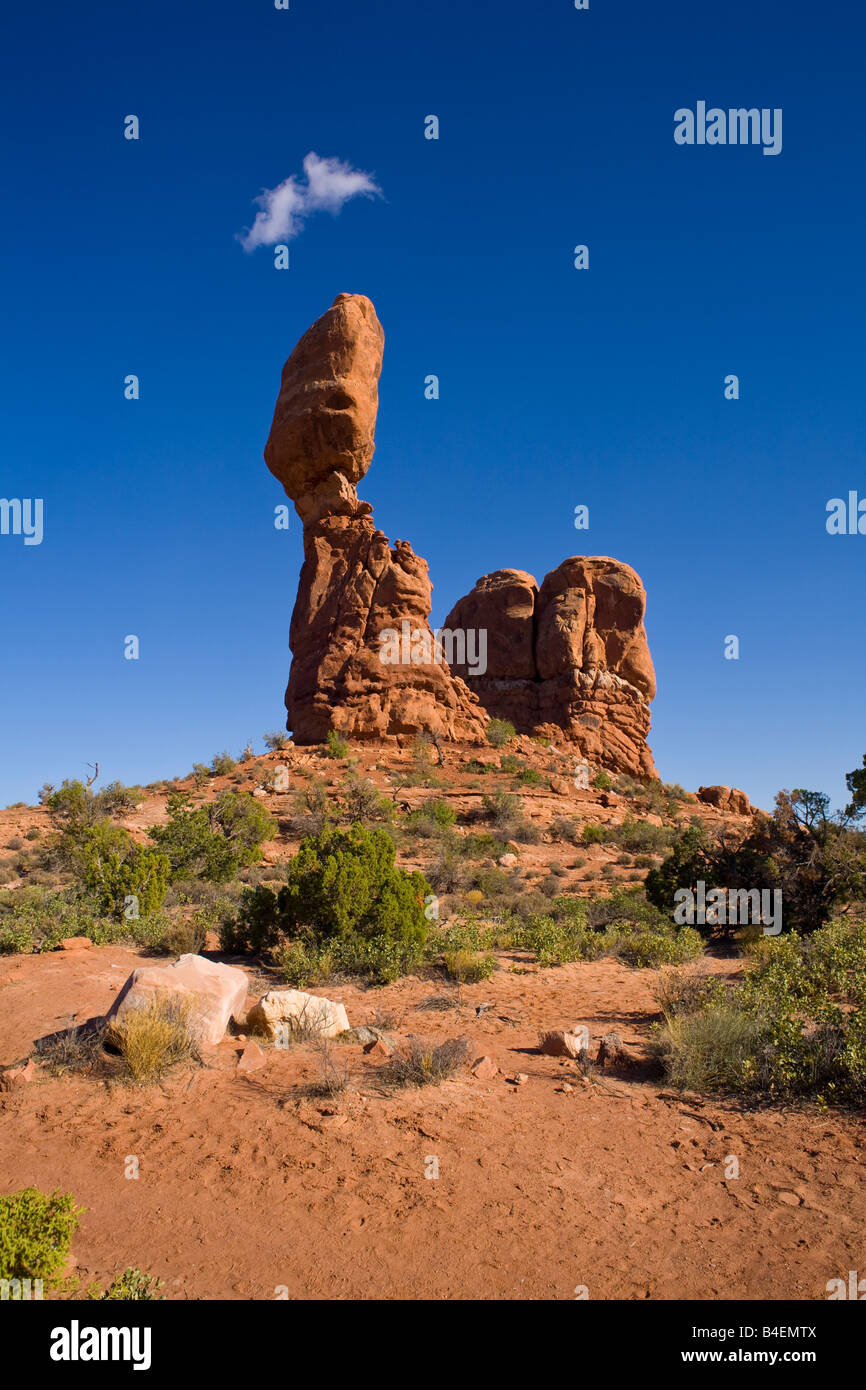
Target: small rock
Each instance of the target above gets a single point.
(790, 1199)
(561, 786)
(251, 1058)
(521, 1078)
(75, 943)
(507, 861)
(299, 1012)
(378, 1050)
(484, 1069)
(561, 1044)
(565, 1088)
(14, 1077)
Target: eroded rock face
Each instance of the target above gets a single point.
(571, 657)
(354, 587)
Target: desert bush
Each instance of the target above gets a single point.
(112, 869)
(304, 963)
(34, 833)
(425, 1063)
(222, 764)
(363, 803)
(342, 887)
(336, 747)
(315, 807)
(509, 762)
(468, 966)
(499, 732)
(212, 842)
(36, 1230)
(276, 741)
(15, 843)
(795, 1026)
(130, 1286)
(709, 1051)
(649, 948)
(153, 1038)
(602, 781)
(333, 1073)
(505, 812)
(428, 820)
(77, 1049)
(201, 773)
(33, 920)
(564, 828)
(593, 834)
(639, 836)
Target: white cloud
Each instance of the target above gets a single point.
(283, 210)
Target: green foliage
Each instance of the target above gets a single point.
(222, 764)
(593, 834)
(640, 836)
(499, 732)
(815, 861)
(433, 816)
(111, 867)
(36, 1230)
(212, 842)
(795, 1026)
(602, 781)
(468, 967)
(33, 920)
(130, 1286)
(276, 741)
(343, 888)
(336, 747)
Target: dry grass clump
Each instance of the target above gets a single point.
(427, 1064)
(78, 1050)
(154, 1038)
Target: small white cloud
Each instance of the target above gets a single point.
(330, 183)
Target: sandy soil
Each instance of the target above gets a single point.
(248, 1186)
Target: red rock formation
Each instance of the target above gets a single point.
(569, 658)
(729, 799)
(354, 587)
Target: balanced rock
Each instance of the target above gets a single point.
(573, 657)
(212, 993)
(287, 1011)
(365, 661)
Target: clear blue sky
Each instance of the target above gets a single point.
(558, 387)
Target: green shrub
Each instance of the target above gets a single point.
(131, 1286)
(336, 747)
(602, 781)
(304, 963)
(112, 868)
(649, 948)
(468, 967)
(222, 764)
(795, 1026)
(499, 732)
(36, 1230)
(212, 842)
(342, 886)
(593, 834)
(433, 816)
(277, 741)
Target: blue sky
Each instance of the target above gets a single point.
(558, 386)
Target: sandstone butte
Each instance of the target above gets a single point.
(569, 660)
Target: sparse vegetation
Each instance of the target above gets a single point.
(153, 1038)
(36, 1230)
(426, 1064)
(336, 747)
(499, 732)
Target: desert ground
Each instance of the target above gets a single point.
(543, 1180)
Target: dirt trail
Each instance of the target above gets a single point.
(246, 1186)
